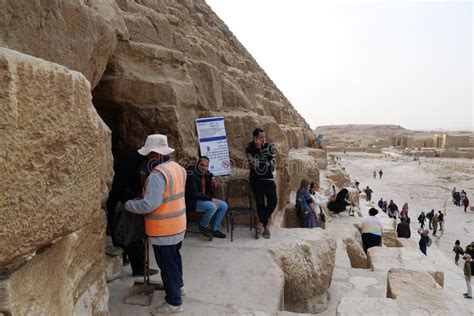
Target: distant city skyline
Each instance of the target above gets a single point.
(381, 62)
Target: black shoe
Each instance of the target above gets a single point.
(218, 234)
(205, 231)
(140, 273)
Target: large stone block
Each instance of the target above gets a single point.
(56, 161)
(56, 32)
(54, 180)
(418, 289)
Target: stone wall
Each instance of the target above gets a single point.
(56, 162)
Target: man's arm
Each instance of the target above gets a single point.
(251, 157)
(155, 188)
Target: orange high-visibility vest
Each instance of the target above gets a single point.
(170, 217)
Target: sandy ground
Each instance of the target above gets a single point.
(424, 186)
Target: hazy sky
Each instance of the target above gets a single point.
(380, 62)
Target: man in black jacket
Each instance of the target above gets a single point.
(261, 159)
(403, 229)
(200, 198)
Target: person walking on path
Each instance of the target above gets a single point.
(368, 191)
(164, 207)
(465, 202)
(458, 251)
(403, 229)
(404, 212)
(425, 240)
(440, 220)
(392, 210)
(262, 161)
(435, 223)
(380, 173)
(429, 216)
(467, 275)
(421, 219)
(375, 174)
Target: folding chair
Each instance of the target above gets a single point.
(239, 199)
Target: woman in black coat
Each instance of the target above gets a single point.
(340, 204)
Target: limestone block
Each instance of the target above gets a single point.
(301, 165)
(390, 239)
(385, 258)
(339, 176)
(113, 267)
(56, 32)
(59, 160)
(355, 250)
(416, 289)
(307, 258)
(349, 306)
(69, 275)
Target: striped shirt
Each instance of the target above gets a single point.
(371, 225)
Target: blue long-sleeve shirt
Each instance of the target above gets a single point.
(155, 189)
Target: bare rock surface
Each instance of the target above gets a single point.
(56, 163)
(262, 276)
(367, 306)
(417, 289)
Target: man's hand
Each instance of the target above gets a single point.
(214, 184)
(332, 198)
(215, 201)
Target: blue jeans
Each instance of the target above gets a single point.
(169, 261)
(210, 209)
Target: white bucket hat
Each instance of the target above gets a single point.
(156, 143)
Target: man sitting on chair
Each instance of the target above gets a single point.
(200, 198)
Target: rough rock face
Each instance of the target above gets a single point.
(56, 163)
(80, 35)
(308, 264)
(416, 288)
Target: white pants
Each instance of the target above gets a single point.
(468, 283)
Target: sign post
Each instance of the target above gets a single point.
(213, 144)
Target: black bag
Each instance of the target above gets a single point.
(128, 227)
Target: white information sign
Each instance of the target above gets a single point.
(213, 144)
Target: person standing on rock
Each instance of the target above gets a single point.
(368, 191)
(371, 229)
(380, 173)
(165, 217)
(200, 198)
(467, 275)
(261, 159)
